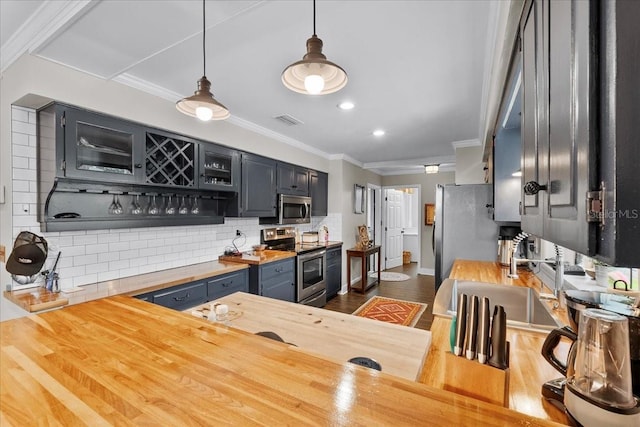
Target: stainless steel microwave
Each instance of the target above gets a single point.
(294, 209)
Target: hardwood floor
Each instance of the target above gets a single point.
(418, 288)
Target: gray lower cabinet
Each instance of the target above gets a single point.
(221, 286)
(274, 280)
(334, 271)
(183, 297)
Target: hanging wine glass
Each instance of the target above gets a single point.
(119, 209)
(170, 209)
(183, 210)
(153, 208)
(135, 208)
(113, 207)
(195, 210)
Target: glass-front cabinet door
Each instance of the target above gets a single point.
(102, 148)
(219, 168)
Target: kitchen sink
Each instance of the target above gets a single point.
(523, 308)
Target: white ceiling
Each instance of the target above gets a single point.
(417, 69)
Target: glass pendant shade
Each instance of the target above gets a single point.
(202, 104)
(314, 74)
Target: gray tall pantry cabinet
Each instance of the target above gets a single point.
(580, 126)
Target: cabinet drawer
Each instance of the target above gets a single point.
(184, 297)
(278, 268)
(227, 284)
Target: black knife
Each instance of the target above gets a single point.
(498, 357)
(472, 328)
(461, 325)
(483, 330)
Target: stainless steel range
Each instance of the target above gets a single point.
(311, 264)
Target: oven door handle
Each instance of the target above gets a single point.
(312, 254)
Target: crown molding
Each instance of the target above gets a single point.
(41, 27)
(346, 158)
(466, 143)
(159, 91)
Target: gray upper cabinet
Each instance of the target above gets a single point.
(92, 146)
(619, 125)
(319, 192)
(258, 195)
(219, 168)
(559, 122)
(292, 179)
(580, 126)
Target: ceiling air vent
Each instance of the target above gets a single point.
(288, 120)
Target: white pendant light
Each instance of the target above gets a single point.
(202, 104)
(314, 74)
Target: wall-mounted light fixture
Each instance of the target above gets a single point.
(314, 74)
(202, 104)
(431, 168)
(517, 173)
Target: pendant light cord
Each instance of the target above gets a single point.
(204, 51)
(314, 17)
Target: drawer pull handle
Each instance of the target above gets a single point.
(181, 298)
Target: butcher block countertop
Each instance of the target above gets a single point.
(398, 349)
(257, 257)
(528, 369)
(121, 361)
(38, 299)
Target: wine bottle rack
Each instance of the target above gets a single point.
(169, 161)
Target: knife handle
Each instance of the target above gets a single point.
(483, 330)
(461, 325)
(498, 357)
(472, 328)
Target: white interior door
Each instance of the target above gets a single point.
(393, 228)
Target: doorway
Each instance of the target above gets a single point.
(401, 230)
(374, 219)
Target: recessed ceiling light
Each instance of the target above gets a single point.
(378, 132)
(346, 105)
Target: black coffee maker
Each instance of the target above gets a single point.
(576, 302)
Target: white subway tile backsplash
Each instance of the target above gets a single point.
(85, 239)
(98, 248)
(119, 246)
(108, 256)
(24, 151)
(108, 238)
(85, 259)
(118, 265)
(19, 115)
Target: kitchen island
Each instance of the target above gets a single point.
(119, 360)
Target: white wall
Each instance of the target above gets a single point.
(469, 165)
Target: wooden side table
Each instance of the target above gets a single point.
(363, 254)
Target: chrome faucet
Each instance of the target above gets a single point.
(558, 262)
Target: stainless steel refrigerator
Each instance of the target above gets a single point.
(464, 226)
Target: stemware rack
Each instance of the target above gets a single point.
(84, 205)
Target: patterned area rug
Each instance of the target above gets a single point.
(391, 310)
(390, 276)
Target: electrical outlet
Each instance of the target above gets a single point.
(238, 233)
